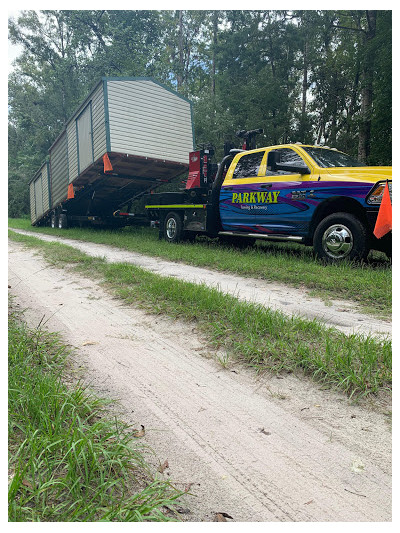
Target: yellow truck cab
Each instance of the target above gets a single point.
(307, 194)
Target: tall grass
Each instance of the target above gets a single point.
(68, 460)
(259, 337)
(369, 285)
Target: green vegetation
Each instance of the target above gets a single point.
(311, 76)
(368, 285)
(68, 460)
(258, 337)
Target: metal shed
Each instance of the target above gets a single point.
(144, 128)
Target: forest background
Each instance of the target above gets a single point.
(320, 77)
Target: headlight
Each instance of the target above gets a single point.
(375, 196)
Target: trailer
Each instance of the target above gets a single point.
(129, 136)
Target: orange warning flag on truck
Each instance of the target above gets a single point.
(384, 221)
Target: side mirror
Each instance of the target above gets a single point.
(274, 157)
(293, 167)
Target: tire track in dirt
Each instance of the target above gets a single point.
(226, 434)
(291, 301)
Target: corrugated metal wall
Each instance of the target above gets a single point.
(59, 170)
(32, 201)
(38, 196)
(39, 193)
(84, 138)
(72, 148)
(98, 123)
(45, 188)
(148, 120)
(96, 134)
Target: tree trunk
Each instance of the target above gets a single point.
(305, 82)
(367, 78)
(215, 33)
(179, 77)
(353, 100)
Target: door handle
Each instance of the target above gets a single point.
(228, 188)
(265, 185)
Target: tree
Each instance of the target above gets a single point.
(367, 81)
(368, 34)
(311, 76)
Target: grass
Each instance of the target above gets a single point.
(69, 462)
(368, 285)
(260, 338)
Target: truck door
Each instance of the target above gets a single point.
(84, 138)
(281, 207)
(236, 204)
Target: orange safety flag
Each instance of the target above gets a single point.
(70, 191)
(107, 163)
(384, 221)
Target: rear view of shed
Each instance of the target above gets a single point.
(129, 136)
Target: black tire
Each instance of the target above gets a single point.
(62, 221)
(341, 237)
(173, 227)
(53, 221)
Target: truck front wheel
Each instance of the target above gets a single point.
(173, 227)
(341, 236)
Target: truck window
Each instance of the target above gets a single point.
(248, 165)
(284, 155)
(326, 158)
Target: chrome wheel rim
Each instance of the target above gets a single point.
(171, 228)
(337, 241)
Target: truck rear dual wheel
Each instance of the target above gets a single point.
(341, 236)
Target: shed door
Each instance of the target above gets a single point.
(85, 140)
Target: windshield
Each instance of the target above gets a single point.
(326, 158)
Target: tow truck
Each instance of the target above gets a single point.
(314, 195)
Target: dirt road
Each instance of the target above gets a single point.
(259, 449)
(339, 314)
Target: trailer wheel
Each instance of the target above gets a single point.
(53, 221)
(62, 221)
(341, 236)
(173, 227)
